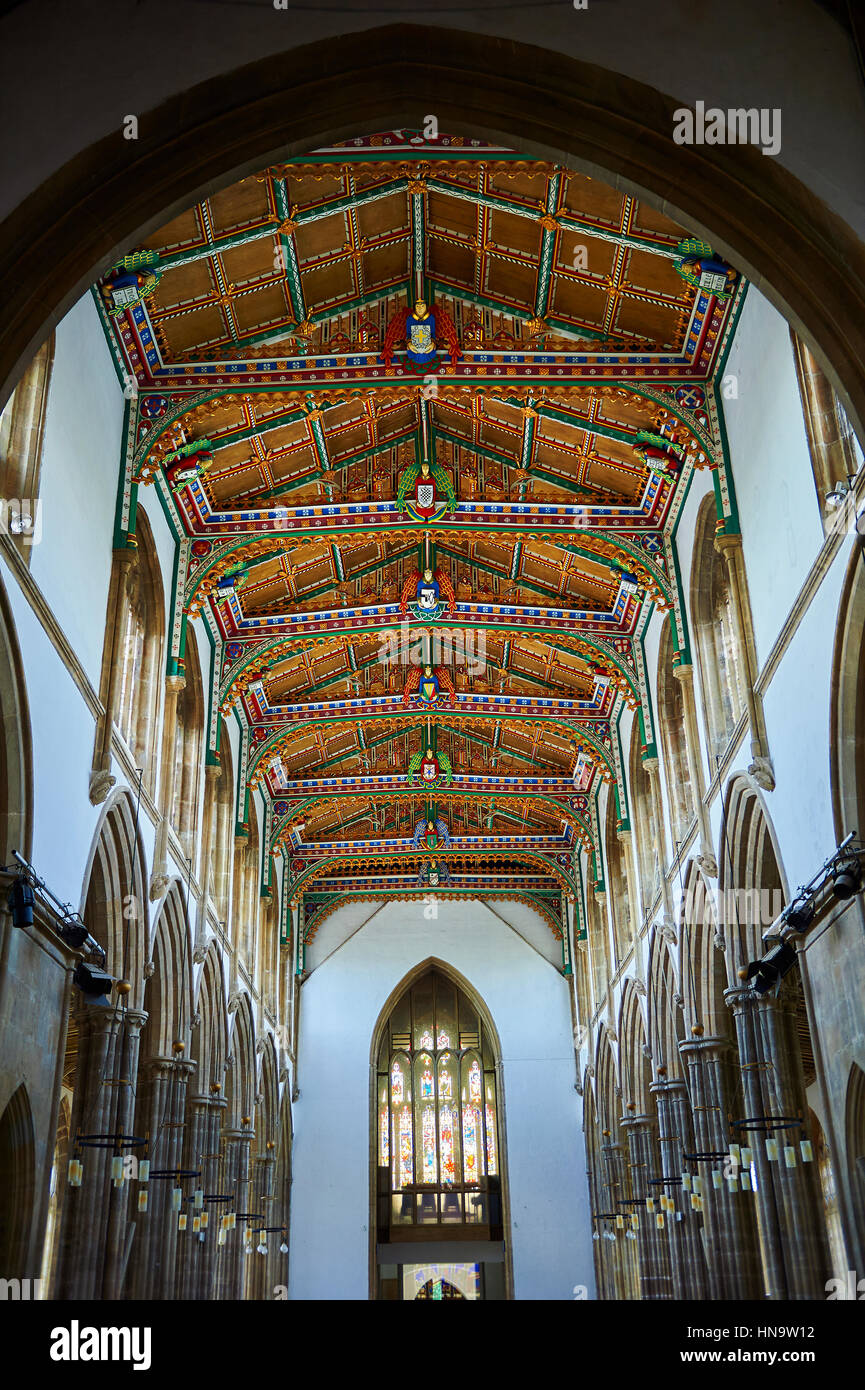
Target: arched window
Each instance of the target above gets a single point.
(22, 425)
(596, 928)
(17, 1187)
(140, 654)
(437, 1132)
(836, 453)
(188, 748)
(645, 829)
(617, 883)
(248, 925)
(671, 719)
(722, 675)
(223, 841)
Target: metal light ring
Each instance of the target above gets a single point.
(770, 1122)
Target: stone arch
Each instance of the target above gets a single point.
(17, 1188)
(720, 661)
(702, 968)
(188, 749)
(671, 725)
(114, 897)
(636, 1070)
(855, 1144)
(140, 653)
(847, 734)
(621, 908)
(22, 428)
(242, 1069)
(666, 1019)
(168, 995)
(223, 839)
(16, 756)
(644, 825)
(752, 883)
(210, 1037)
(592, 118)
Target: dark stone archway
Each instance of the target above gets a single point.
(798, 252)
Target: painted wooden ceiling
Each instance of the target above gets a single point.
(261, 344)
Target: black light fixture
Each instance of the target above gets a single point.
(21, 903)
(846, 876)
(766, 973)
(91, 980)
(800, 914)
(73, 931)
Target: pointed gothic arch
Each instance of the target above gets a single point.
(16, 772)
(720, 660)
(18, 1195)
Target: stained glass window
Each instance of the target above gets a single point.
(475, 1081)
(428, 1145)
(437, 1114)
(406, 1150)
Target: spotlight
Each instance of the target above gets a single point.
(91, 980)
(766, 973)
(73, 931)
(837, 496)
(846, 876)
(21, 903)
(800, 914)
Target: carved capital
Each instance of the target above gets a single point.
(100, 785)
(159, 885)
(762, 772)
(684, 673)
(709, 864)
(727, 545)
(174, 684)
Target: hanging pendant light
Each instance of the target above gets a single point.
(806, 1150)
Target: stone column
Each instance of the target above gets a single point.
(730, 546)
(615, 1188)
(212, 774)
(729, 1223)
(196, 1265)
(162, 1100)
(160, 877)
(625, 838)
(789, 1200)
(652, 1261)
(652, 766)
(101, 779)
(95, 1234)
(685, 676)
(690, 1276)
(230, 1262)
(600, 966)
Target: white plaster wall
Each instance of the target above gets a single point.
(528, 1000)
(778, 509)
(80, 466)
